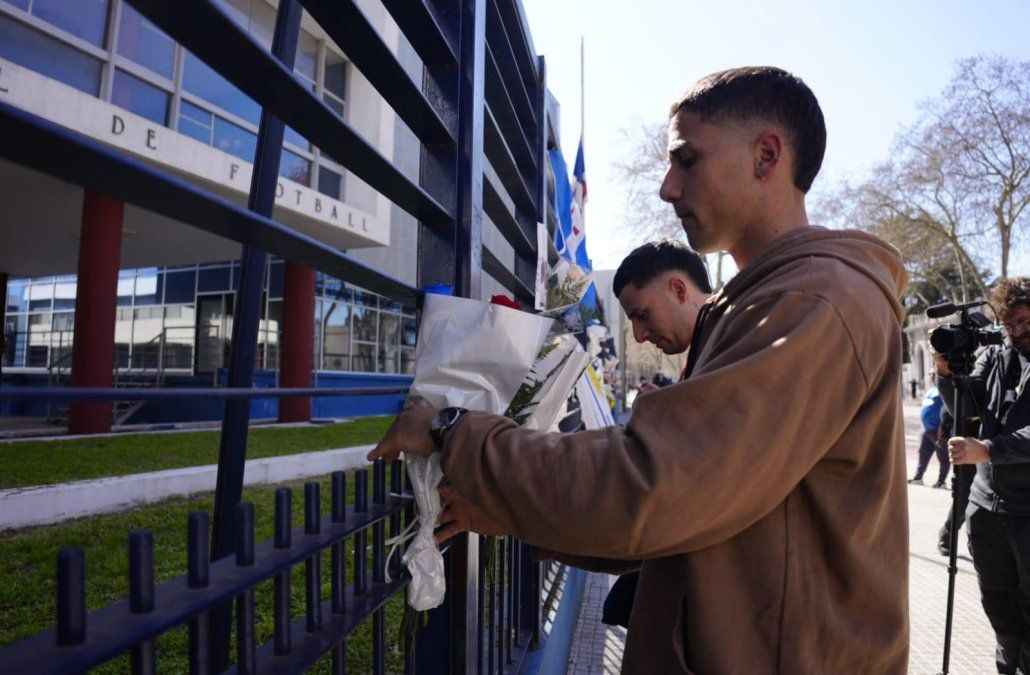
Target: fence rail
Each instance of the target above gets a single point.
(479, 113)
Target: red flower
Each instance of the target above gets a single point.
(505, 301)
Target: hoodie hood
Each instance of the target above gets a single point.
(873, 257)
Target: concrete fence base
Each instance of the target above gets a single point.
(44, 505)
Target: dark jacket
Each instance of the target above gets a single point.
(1003, 484)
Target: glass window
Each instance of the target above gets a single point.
(179, 330)
(268, 336)
(47, 56)
(364, 298)
(276, 272)
(335, 336)
(195, 122)
(295, 167)
(389, 332)
(291, 136)
(307, 56)
(122, 338)
(39, 335)
(83, 18)
(408, 333)
(149, 287)
(407, 361)
(14, 342)
(17, 296)
(213, 279)
(64, 295)
(364, 358)
(198, 78)
(235, 140)
(145, 43)
(365, 324)
(146, 337)
(137, 96)
(180, 286)
(335, 75)
(329, 182)
(41, 296)
(126, 287)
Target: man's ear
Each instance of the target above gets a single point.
(768, 153)
(678, 287)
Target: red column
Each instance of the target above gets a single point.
(100, 245)
(297, 350)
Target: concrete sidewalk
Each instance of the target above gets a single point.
(598, 648)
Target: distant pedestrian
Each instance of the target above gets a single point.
(931, 443)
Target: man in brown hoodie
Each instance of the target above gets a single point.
(765, 495)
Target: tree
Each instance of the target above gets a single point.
(641, 171)
(953, 197)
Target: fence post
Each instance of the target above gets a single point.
(246, 315)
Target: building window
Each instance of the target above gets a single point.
(336, 334)
(389, 342)
(145, 43)
(199, 79)
(335, 83)
(86, 19)
(141, 98)
(295, 167)
(330, 183)
(195, 122)
(47, 56)
(235, 140)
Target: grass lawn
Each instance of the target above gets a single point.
(28, 563)
(27, 463)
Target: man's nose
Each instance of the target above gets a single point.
(639, 333)
(669, 191)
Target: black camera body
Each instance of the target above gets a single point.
(961, 340)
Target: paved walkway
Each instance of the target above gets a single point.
(598, 648)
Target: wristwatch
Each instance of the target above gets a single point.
(444, 420)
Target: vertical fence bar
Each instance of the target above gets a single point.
(246, 315)
(360, 537)
(197, 576)
(396, 486)
(378, 568)
(143, 658)
(283, 540)
(338, 567)
(245, 643)
(313, 565)
(502, 619)
(71, 596)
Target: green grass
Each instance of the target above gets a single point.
(27, 463)
(28, 562)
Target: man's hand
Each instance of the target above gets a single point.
(967, 451)
(409, 433)
(941, 362)
(459, 516)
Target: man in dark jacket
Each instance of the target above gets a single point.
(998, 515)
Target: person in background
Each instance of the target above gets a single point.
(930, 416)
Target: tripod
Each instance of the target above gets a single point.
(959, 497)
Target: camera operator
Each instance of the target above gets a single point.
(998, 516)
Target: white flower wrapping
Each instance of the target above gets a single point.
(474, 355)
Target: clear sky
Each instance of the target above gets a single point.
(868, 61)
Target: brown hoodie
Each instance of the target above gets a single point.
(765, 495)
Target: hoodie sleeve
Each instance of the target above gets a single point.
(1013, 448)
(698, 462)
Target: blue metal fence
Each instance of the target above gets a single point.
(482, 99)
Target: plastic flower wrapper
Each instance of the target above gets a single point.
(471, 354)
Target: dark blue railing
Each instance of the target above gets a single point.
(482, 98)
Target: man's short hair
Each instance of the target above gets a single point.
(769, 94)
(1010, 294)
(654, 258)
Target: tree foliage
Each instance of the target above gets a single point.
(953, 195)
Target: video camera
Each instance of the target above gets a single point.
(960, 340)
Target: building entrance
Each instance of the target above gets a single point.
(214, 331)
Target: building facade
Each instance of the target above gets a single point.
(99, 68)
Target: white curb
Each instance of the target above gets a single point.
(43, 505)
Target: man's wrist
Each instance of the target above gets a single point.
(444, 421)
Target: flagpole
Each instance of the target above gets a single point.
(582, 92)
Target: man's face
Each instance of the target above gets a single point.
(1017, 326)
(711, 180)
(660, 314)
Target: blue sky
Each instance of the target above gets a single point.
(868, 62)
